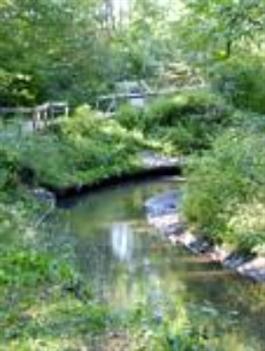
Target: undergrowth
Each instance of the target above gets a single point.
(225, 193)
(189, 121)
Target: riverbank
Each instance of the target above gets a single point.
(52, 291)
(42, 286)
(151, 164)
(127, 262)
(163, 212)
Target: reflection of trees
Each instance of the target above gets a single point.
(125, 263)
(208, 285)
(122, 241)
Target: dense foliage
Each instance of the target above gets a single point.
(241, 82)
(220, 28)
(187, 121)
(225, 190)
(75, 50)
(80, 150)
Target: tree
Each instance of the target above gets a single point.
(217, 28)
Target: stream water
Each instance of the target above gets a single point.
(126, 261)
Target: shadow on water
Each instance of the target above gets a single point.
(127, 261)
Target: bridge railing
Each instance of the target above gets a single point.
(112, 100)
(40, 114)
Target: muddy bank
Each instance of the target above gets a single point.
(163, 212)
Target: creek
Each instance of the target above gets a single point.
(126, 261)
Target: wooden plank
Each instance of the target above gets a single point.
(39, 114)
(40, 108)
(16, 110)
(135, 95)
(147, 94)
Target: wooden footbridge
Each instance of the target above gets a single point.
(37, 116)
(136, 94)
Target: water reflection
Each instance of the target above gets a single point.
(126, 262)
(122, 241)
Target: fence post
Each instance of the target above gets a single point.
(51, 110)
(36, 118)
(66, 110)
(45, 116)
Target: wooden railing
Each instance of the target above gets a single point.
(38, 114)
(113, 99)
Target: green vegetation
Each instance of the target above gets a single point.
(42, 294)
(241, 82)
(225, 190)
(224, 197)
(188, 121)
(80, 150)
(76, 50)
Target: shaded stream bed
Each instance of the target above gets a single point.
(127, 261)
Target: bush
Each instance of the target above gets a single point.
(189, 120)
(130, 117)
(242, 82)
(8, 167)
(78, 150)
(82, 149)
(190, 135)
(225, 188)
(84, 122)
(187, 105)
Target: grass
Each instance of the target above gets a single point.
(80, 150)
(46, 304)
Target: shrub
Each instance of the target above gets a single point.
(83, 122)
(82, 149)
(47, 159)
(226, 187)
(190, 135)
(189, 120)
(242, 82)
(130, 117)
(187, 105)
(8, 167)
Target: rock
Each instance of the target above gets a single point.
(234, 260)
(200, 245)
(44, 195)
(152, 160)
(218, 254)
(47, 198)
(167, 224)
(163, 204)
(254, 269)
(188, 240)
(163, 212)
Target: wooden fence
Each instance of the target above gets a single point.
(39, 115)
(113, 100)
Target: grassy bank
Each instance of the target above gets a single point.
(42, 294)
(225, 187)
(46, 304)
(87, 148)
(80, 150)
